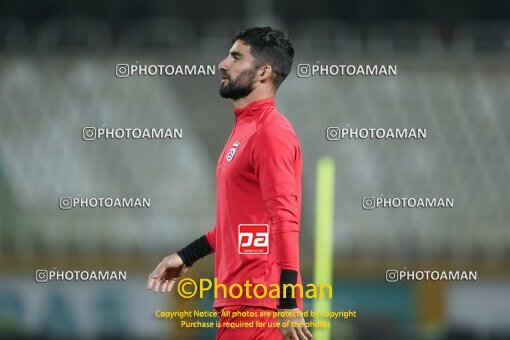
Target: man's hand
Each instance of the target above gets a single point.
(166, 273)
(296, 328)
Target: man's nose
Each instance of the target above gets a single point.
(222, 65)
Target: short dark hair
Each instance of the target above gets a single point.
(269, 46)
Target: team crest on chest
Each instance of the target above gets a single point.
(232, 152)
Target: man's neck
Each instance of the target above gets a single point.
(254, 96)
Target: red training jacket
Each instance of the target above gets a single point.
(258, 179)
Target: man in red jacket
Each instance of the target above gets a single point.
(258, 179)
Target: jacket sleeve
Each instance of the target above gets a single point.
(274, 154)
(211, 238)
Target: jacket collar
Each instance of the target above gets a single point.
(254, 107)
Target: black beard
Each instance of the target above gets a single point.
(239, 87)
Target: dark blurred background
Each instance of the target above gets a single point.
(57, 75)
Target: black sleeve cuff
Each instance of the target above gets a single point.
(286, 300)
(195, 251)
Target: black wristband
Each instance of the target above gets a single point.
(195, 251)
(286, 300)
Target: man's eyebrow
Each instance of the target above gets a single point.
(235, 54)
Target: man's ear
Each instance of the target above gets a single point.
(265, 72)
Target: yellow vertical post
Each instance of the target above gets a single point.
(323, 266)
(430, 303)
